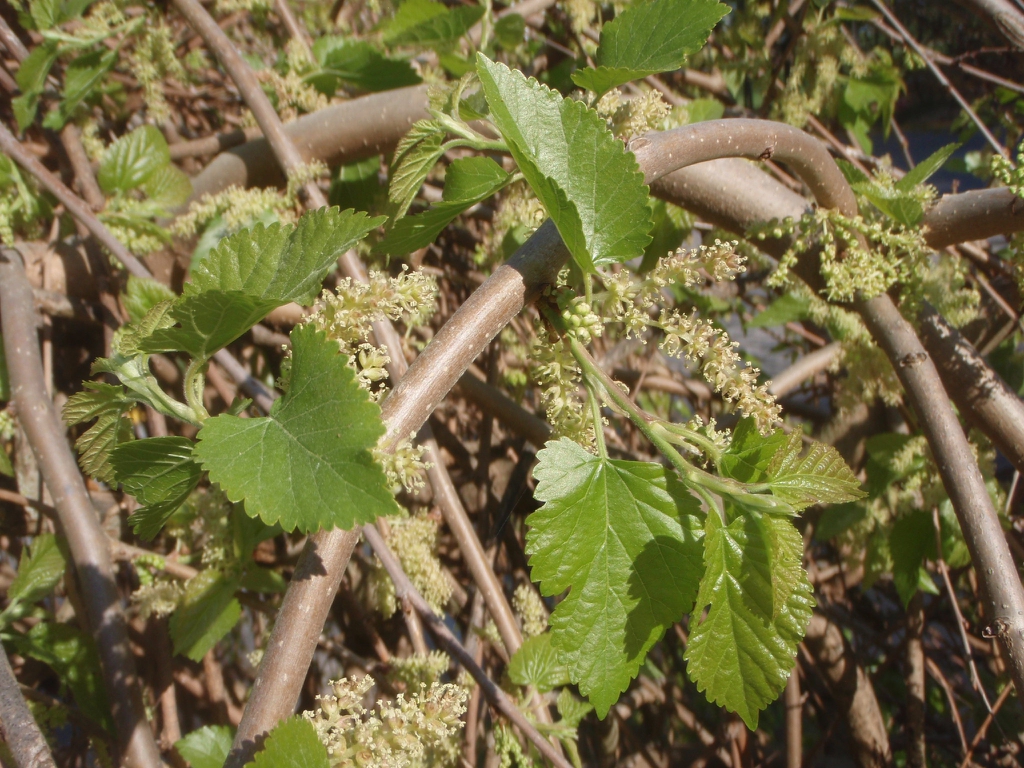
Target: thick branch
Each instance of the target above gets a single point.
(19, 728)
(1004, 15)
(86, 539)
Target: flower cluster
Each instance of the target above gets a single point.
(404, 465)
(159, 597)
(701, 342)
(636, 116)
(238, 208)
(152, 60)
(558, 376)
(420, 669)
(413, 732)
(414, 540)
(533, 616)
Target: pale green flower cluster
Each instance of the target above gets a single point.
(414, 540)
(710, 348)
(414, 732)
(641, 114)
(224, 7)
(509, 750)
(558, 377)
(294, 95)
(420, 669)
(152, 60)
(95, 147)
(582, 14)
(1009, 176)
(533, 616)
(815, 72)
(160, 597)
(404, 465)
(239, 208)
(8, 424)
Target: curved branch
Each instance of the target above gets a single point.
(81, 526)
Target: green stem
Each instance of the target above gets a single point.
(595, 414)
(195, 382)
(692, 476)
(682, 432)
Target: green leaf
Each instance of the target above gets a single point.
(739, 655)
(208, 611)
(820, 476)
(208, 321)
(168, 187)
(160, 473)
(357, 185)
(292, 744)
(591, 187)
(411, 13)
(911, 541)
(308, 464)
(47, 14)
(160, 315)
(702, 110)
(954, 548)
(6, 468)
(469, 181)
(142, 294)
(31, 79)
(881, 466)
(72, 655)
(107, 404)
(258, 579)
(924, 170)
(359, 64)
(39, 570)
(207, 747)
(749, 453)
(647, 38)
(281, 263)
(537, 663)
(415, 156)
(571, 709)
(787, 308)
(130, 160)
(438, 29)
(624, 538)
(899, 206)
(510, 30)
(80, 77)
(839, 518)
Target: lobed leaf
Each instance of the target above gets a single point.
(647, 38)
(739, 655)
(590, 185)
(142, 294)
(415, 156)
(359, 64)
(624, 538)
(281, 262)
(80, 77)
(308, 464)
(39, 570)
(430, 24)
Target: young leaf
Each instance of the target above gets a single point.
(624, 538)
(160, 473)
(647, 38)
(281, 263)
(415, 156)
(924, 170)
(208, 611)
(39, 571)
(820, 476)
(31, 79)
(591, 187)
(107, 404)
(72, 655)
(130, 160)
(411, 14)
(142, 294)
(308, 464)
(439, 30)
(208, 321)
(292, 744)
(469, 181)
(785, 309)
(207, 747)
(80, 77)
(537, 663)
(737, 655)
(359, 64)
(168, 187)
(749, 453)
(911, 541)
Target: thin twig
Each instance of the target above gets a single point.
(936, 672)
(405, 590)
(989, 718)
(943, 80)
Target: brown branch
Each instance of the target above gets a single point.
(804, 368)
(19, 728)
(915, 679)
(1004, 15)
(498, 699)
(794, 721)
(86, 539)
